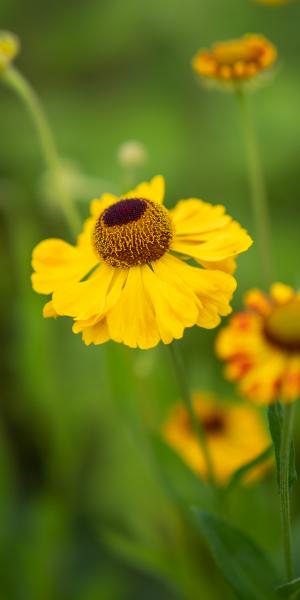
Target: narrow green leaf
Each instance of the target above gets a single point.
(275, 416)
(245, 469)
(286, 590)
(241, 561)
(180, 481)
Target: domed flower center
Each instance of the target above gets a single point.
(282, 327)
(213, 424)
(133, 231)
(235, 51)
(124, 212)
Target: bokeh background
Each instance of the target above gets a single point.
(84, 512)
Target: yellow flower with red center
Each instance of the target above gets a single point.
(9, 47)
(235, 435)
(127, 278)
(235, 61)
(261, 346)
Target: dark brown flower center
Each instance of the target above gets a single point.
(213, 424)
(124, 212)
(131, 232)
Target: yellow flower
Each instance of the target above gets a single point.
(274, 2)
(127, 279)
(235, 435)
(235, 61)
(261, 346)
(9, 47)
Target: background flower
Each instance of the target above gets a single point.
(9, 47)
(237, 60)
(235, 435)
(261, 345)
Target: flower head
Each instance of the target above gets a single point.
(9, 47)
(235, 435)
(274, 2)
(235, 61)
(128, 278)
(261, 345)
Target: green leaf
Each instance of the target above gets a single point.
(245, 469)
(275, 416)
(242, 562)
(286, 590)
(186, 488)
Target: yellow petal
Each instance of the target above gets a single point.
(196, 218)
(87, 298)
(281, 293)
(226, 243)
(49, 310)
(213, 289)
(132, 320)
(228, 265)
(58, 263)
(174, 303)
(258, 301)
(93, 334)
(152, 190)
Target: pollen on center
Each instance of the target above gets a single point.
(133, 231)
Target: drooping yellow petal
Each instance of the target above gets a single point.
(93, 334)
(57, 263)
(228, 265)
(195, 218)
(175, 307)
(226, 243)
(213, 289)
(132, 320)
(49, 310)
(87, 298)
(152, 190)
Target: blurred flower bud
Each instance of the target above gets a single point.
(9, 48)
(132, 154)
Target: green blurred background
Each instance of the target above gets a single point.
(84, 513)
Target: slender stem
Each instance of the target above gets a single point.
(284, 492)
(24, 90)
(187, 399)
(258, 189)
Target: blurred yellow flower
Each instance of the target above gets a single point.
(9, 47)
(235, 435)
(127, 279)
(274, 2)
(235, 61)
(261, 346)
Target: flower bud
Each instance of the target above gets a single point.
(9, 48)
(132, 154)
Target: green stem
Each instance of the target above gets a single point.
(284, 492)
(258, 189)
(187, 399)
(24, 90)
